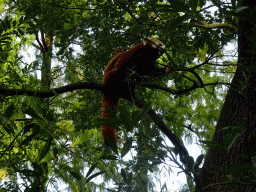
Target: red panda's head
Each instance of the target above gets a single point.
(156, 44)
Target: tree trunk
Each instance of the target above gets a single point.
(239, 106)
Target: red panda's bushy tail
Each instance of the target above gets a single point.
(109, 100)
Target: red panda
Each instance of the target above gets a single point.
(138, 63)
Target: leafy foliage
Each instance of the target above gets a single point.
(44, 140)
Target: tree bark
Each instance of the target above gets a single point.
(239, 106)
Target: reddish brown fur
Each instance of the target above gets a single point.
(112, 77)
(108, 131)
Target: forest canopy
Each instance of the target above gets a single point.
(52, 60)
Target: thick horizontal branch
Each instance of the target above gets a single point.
(52, 92)
(81, 85)
(91, 85)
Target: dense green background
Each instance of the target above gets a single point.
(44, 139)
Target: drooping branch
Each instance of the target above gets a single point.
(162, 126)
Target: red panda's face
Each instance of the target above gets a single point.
(157, 44)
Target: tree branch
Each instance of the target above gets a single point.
(217, 25)
(52, 92)
(162, 126)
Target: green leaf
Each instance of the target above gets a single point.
(109, 157)
(8, 129)
(20, 31)
(198, 162)
(127, 147)
(190, 162)
(178, 5)
(21, 19)
(95, 175)
(129, 178)
(91, 170)
(46, 148)
(76, 175)
(7, 22)
(143, 112)
(123, 173)
(5, 38)
(29, 138)
(14, 23)
(30, 111)
(9, 111)
(199, 159)
(112, 144)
